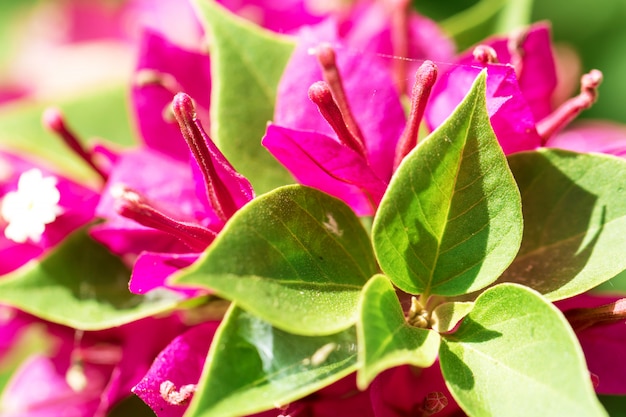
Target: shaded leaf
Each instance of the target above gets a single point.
(515, 355)
(450, 221)
(574, 216)
(253, 366)
(295, 257)
(385, 338)
(246, 65)
(81, 285)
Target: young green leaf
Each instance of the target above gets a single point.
(246, 65)
(253, 366)
(515, 355)
(575, 215)
(385, 338)
(447, 315)
(295, 257)
(451, 219)
(81, 285)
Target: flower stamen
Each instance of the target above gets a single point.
(568, 111)
(330, 72)
(400, 42)
(485, 54)
(172, 396)
(583, 318)
(53, 120)
(425, 78)
(132, 205)
(218, 194)
(320, 94)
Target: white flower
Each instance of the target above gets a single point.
(31, 207)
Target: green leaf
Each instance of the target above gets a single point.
(575, 216)
(81, 285)
(101, 113)
(515, 355)
(447, 315)
(385, 338)
(253, 367)
(485, 18)
(451, 220)
(296, 257)
(246, 65)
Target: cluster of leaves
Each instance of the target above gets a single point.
(484, 242)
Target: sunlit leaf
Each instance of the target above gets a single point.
(450, 221)
(295, 257)
(385, 338)
(515, 355)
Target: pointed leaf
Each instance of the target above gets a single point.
(515, 355)
(295, 257)
(385, 338)
(81, 285)
(246, 65)
(450, 221)
(574, 220)
(252, 366)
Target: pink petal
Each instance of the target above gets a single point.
(537, 80)
(284, 16)
(190, 72)
(151, 270)
(321, 162)
(592, 136)
(165, 183)
(369, 90)
(400, 391)
(181, 362)
(510, 116)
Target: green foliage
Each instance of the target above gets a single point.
(253, 366)
(246, 65)
(296, 257)
(485, 18)
(81, 285)
(574, 217)
(515, 355)
(385, 338)
(450, 221)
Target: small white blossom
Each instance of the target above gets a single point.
(31, 207)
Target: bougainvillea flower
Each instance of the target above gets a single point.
(521, 78)
(174, 210)
(406, 391)
(315, 153)
(599, 321)
(170, 382)
(87, 372)
(38, 208)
